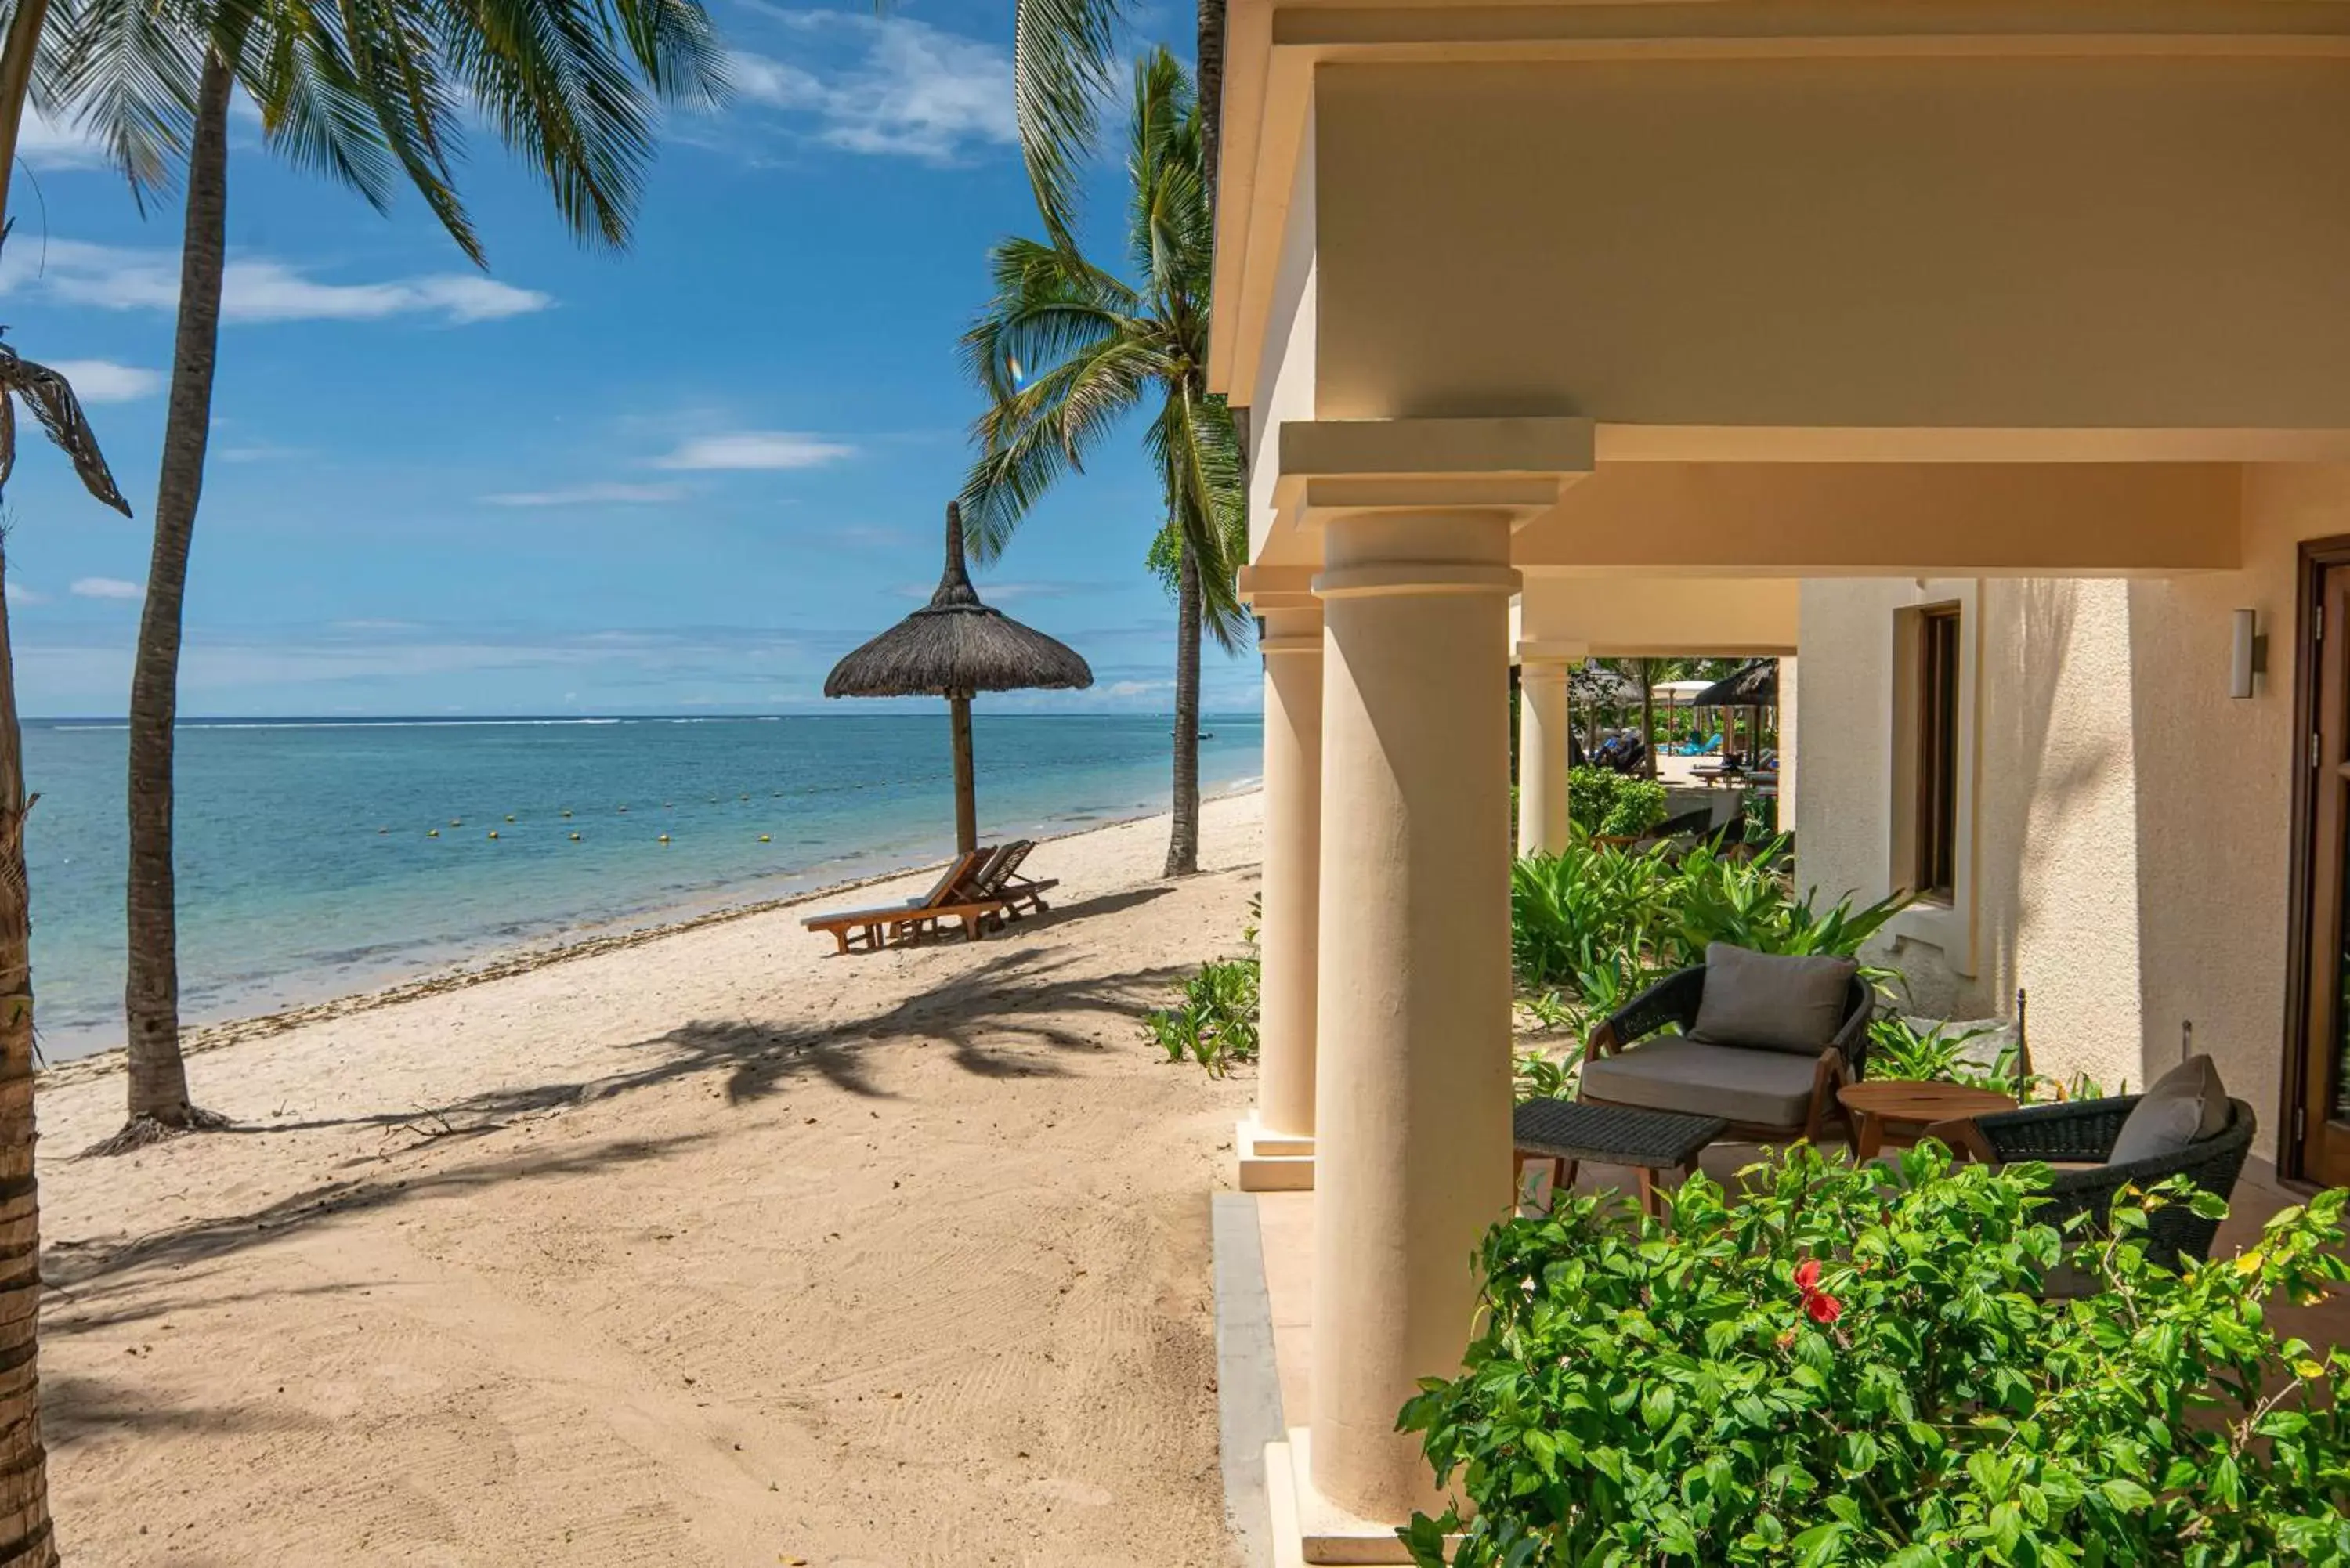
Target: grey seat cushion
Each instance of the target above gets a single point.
(1771, 1003)
(2185, 1105)
(1668, 1073)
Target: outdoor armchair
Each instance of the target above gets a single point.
(2077, 1137)
(1776, 1083)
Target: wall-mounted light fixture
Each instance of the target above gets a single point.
(2248, 653)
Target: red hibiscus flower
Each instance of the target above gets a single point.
(1818, 1305)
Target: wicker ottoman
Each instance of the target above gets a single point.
(1567, 1133)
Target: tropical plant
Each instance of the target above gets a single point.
(1857, 1367)
(1214, 1023)
(1538, 1075)
(1066, 347)
(27, 1537)
(1604, 804)
(1940, 1052)
(1608, 921)
(364, 93)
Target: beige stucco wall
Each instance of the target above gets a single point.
(1284, 388)
(1686, 241)
(2130, 822)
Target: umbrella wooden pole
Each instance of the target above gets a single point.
(966, 793)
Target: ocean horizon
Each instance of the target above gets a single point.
(322, 855)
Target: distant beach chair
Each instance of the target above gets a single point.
(1000, 878)
(951, 896)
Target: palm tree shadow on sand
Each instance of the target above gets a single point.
(994, 1021)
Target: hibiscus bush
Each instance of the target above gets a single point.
(1859, 1366)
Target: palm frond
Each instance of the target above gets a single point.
(1061, 54)
(51, 398)
(129, 75)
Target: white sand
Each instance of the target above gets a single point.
(715, 1249)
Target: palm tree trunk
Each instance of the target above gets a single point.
(158, 1076)
(27, 1538)
(1183, 839)
(25, 1541)
(1210, 85)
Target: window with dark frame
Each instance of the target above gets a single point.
(1937, 835)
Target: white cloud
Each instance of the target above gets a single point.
(104, 381)
(44, 144)
(755, 449)
(18, 594)
(914, 92)
(255, 289)
(1135, 688)
(259, 451)
(105, 588)
(602, 493)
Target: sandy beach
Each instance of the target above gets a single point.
(712, 1248)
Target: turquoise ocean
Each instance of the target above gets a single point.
(307, 867)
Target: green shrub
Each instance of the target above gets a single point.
(1604, 804)
(1542, 1076)
(1897, 1048)
(1854, 1367)
(1215, 1021)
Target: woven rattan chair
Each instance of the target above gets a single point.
(1672, 1004)
(2081, 1134)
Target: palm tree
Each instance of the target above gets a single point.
(26, 1539)
(1062, 56)
(364, 92)
(1066, 347)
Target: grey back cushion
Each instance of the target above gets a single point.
(2185, 1105)
(1771, 1003)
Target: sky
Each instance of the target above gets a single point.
(684, 479)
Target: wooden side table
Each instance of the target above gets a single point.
(1901, 1110)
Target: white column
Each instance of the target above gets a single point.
(1542, 755)
(1276, 1146)
(1412, 1124)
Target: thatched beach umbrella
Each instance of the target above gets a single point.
(952, 647)
(1755, 687)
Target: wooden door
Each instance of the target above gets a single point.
(2318, 1086)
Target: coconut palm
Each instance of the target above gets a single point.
(365, 91)
(1066, 347)
(24, 1533)
(1063, 53)
(27, 1539)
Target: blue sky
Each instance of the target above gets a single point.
(688, 478)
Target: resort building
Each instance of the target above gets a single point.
(1989, 354)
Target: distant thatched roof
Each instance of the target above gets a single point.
(955, 646)
(1756, 685)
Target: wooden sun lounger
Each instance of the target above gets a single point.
(951, 899)
(1000, 878)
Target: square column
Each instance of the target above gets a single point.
(1276, 1144)
(1412, 1103)
(1544, 755)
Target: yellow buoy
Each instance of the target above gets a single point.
(575, 838)
(510, 817)
(494, 833)
(431, 833)
(766, 838)
(664, 838)
(456, 822)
